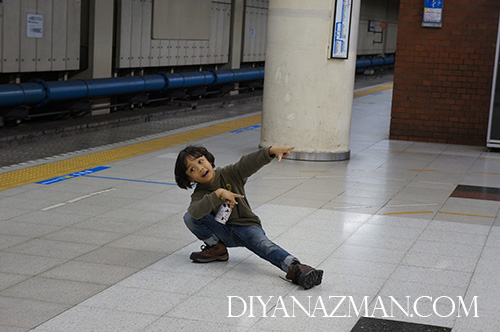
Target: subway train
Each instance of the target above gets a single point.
(72, 57)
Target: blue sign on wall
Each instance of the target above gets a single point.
(433, 10)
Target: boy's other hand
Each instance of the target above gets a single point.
(226, 195)
(280, 151)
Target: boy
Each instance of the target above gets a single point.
(213, 187)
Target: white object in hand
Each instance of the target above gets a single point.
(223, 213)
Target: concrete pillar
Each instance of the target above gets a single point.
(307, 95)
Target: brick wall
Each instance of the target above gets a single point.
(443, 76)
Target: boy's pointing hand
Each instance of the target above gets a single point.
(226, 195)
(280, 151)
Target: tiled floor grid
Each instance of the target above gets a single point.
(112, 254)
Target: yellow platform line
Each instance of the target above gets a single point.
(72, 165)
(467, 215)
(411, 153)
(488, 173)
(371, 91)
(490, 159)
(407, 212)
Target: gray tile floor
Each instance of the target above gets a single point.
(94, 254)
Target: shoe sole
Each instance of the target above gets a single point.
(311, 278)
(209, 259)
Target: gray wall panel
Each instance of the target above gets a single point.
(146, 20)
(74, 10)
(27, 45)
(44, 45)
(59, 34)
(1, 39)
(136, 34)
(125, 31)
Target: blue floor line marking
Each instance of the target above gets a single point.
(237, 131)
(130, 180)
(73, 175)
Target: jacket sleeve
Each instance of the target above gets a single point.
(203, 204)
(251, 163)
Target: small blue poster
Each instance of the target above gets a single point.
(433, 10)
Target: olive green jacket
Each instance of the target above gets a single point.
(233, 177)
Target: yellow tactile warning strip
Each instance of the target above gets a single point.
(371, 91)
(43, 172)
(72, 165)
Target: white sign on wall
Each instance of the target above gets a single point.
(34, 26)
(341, 29)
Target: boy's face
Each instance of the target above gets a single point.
(200, 170)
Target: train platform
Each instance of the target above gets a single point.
(407, 233)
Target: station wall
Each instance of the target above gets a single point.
(161, 33)
(443, 76)
(172, 33)
(39, 35)
(153, 34)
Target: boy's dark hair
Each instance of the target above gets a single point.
(194, 152)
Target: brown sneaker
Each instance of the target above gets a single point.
(304, 275)
(216, 252)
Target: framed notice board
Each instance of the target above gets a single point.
(341, 29)
(433, 13)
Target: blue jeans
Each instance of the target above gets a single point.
(208, 230)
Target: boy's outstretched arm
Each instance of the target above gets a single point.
(280, 151)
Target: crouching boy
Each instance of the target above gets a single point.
(219, 213)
